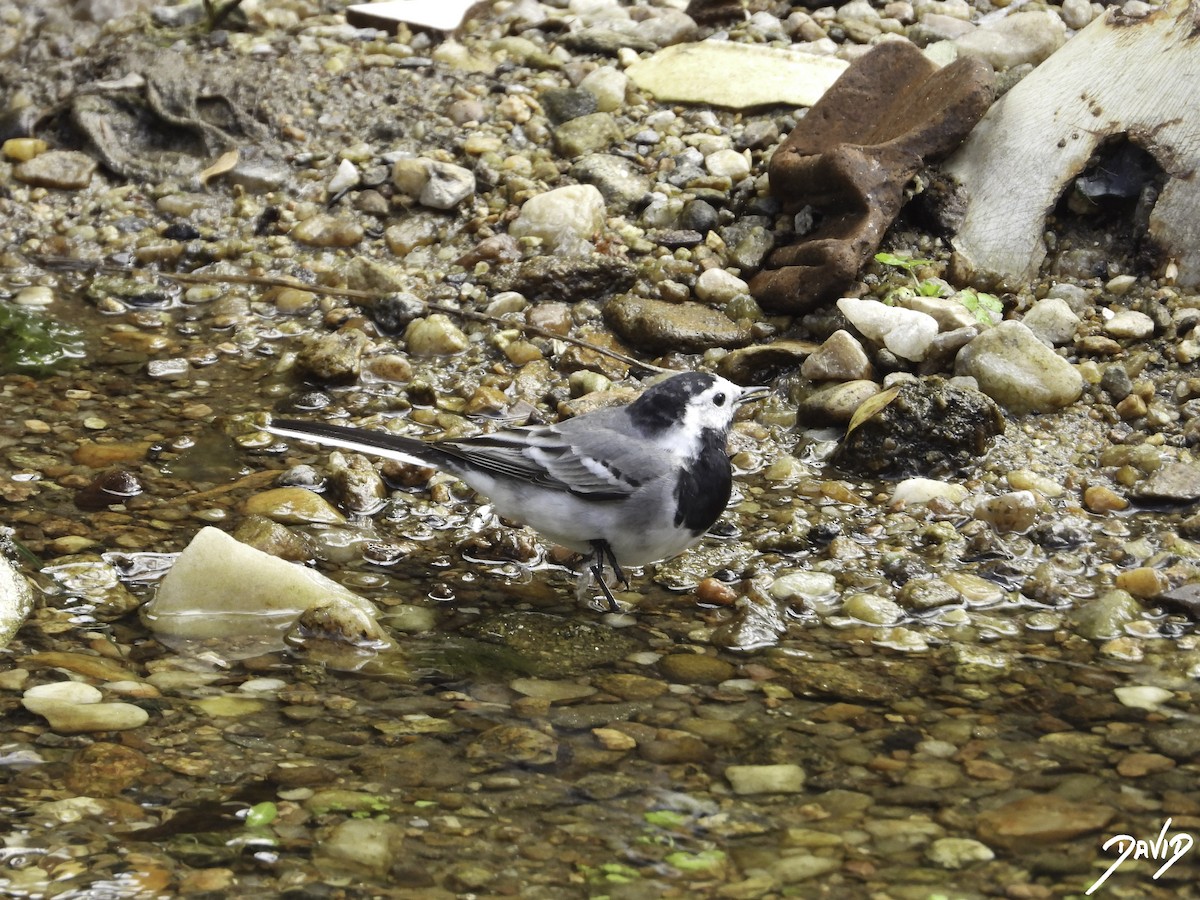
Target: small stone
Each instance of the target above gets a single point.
(836, 403)
(21, 149)
(292, 506)
(608, 85)
(1101, 499)
(922, 490)
(1138, 765)
(1077, 14)
(1021, 38)
(695, 668)
(980, 665)
(1142, 696)
(1041, 820)
(716, 286)
(700, 73)
(714, 592)
(370, 845)
(508, 744)
(1052, 320)
(873, 609)
(840, 358)
(1129, 324)
(1106, 616)
(561, 218)
(448, 185)
(1173, 482)
(1143, 582)
(64, 170)
(435, 335)
(346, 177)
(1028, 480)
(923, 594)
(621, 182)
(729, 164)
(333, 358)
(782, 778)
(74, 708)
(1013, 512)
(795, 587)
(593, 133)
(682, 327)
(957, 853)
(553, 691)
(328, 231)
(612, 739)
(410, 175)
(35, 295)
(950, 314)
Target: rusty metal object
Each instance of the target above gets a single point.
(851, 158)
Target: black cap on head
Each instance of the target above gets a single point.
(664, 404)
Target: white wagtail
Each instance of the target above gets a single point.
(628, 485)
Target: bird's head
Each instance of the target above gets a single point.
(691, 402)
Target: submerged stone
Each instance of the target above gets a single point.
(219, 588)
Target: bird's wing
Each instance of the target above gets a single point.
(547, 456)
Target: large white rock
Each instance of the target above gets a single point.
(221, 588)
(16, 600)
(725, 73)
(905, 332)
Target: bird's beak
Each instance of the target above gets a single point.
(754, 392)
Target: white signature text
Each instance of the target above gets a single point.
(1162, 848)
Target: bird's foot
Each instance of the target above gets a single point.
(602, 553)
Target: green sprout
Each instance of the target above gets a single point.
(986, 308)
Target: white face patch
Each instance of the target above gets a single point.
(711, 410)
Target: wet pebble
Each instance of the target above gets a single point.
(328, 231)
(685, 327)
(836, 404)
(1040, 820)
(1052, 320)
(508, 744)
(716, 286)
(781, 778)
(1018, 371)
(957, 853)
(292, 506)
(1128, 324)
(840, 358)
(333, 358)
(370, 846)
(448, 185)
(695, 668)
(1015, 511)
(1019, 39)
(1105, 616)
(562, 217)
(76, 708)
(64, 170)
(435, 335)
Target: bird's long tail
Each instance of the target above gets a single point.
(378, 443)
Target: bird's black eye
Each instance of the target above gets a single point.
(719, 399)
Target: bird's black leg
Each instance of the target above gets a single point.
(603, 553)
